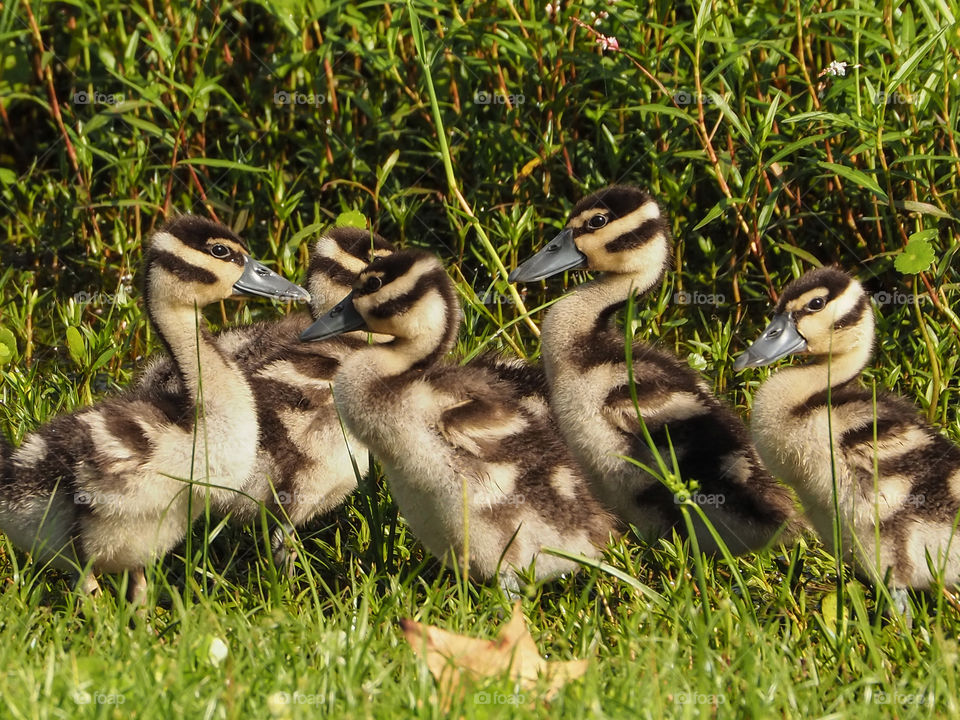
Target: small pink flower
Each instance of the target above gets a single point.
(608, 43)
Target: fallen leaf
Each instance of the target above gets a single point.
(457, 661)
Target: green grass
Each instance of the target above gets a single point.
(761, 162)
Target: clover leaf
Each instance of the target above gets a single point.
(351, 218)
(8, 346)
(917, 256)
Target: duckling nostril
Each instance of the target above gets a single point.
(262, 272)
(774, 333)
(336, 311)
(553, 248)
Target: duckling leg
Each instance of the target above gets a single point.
(137, 588)
(284, 547)
(900, 605)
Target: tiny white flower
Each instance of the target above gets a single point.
(218, 651)
(837, 68)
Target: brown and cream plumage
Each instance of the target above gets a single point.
(110, 485)
(471, 453)
(620, 232)
(305, 460)
(896, 479)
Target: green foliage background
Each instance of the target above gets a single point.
(116, 114)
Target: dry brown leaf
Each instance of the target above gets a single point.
(458, 661)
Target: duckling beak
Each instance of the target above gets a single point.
(781, 338)
(342, 318)
(258, 279)
(560, 254)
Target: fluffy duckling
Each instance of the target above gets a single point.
(473, 458)
(897, 479)
(621, 233)
(304, 465)
(110, 485)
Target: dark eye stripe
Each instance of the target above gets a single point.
(403, 303)
(331, 269)
(638, 237)
(855, 314)
(182, 270)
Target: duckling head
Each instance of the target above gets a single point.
(825, 312)
(336, 258)
(193, 262)
(619, 229)
(406, 294)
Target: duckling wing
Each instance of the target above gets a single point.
(902, 465)
(479, 423)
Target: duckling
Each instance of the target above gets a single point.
(472, 457)
(897, 479)
(621, 232)
(110, 485)
(305, 461)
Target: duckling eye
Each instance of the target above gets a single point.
(220, 251)
(816, 304)
(597, 222)
(372, 284)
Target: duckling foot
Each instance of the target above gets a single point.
(900, 606)
(88, 584)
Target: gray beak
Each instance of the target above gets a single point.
(343, 318)
(781, 338)
(560, 254)
(258, 279)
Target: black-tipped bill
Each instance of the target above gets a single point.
(258, 279)
(560, 254)
(781, 338)
(341, 319)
